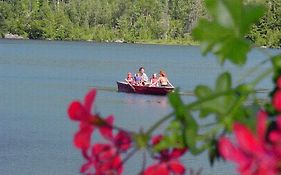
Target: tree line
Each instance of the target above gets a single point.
(128, 20)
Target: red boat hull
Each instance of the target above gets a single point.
(126, 87)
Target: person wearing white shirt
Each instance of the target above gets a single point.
(143, 75)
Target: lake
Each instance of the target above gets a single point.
(40, 78)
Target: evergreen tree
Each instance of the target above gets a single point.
(129, 20)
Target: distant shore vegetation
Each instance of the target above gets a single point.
(132, 21)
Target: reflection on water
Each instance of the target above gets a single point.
(159, 101)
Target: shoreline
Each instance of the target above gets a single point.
(181, 42)
(167, 42)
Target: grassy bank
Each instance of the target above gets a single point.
(181, 41)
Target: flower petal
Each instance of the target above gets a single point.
(156, 139)
(276, 100)
(86, 167)
(275, 136)
(106, 129)
(76, 111)
(261, 124)
(176, 153)
(106, 159)
(122, 140)
(82, 138)
(157, 169)
(176, 167)
(230, 152)
(227, 149)
(89, 99)
(246, 140)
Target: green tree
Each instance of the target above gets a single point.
(131, 20)
(267, 32)
(5, 13)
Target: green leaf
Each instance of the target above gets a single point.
(202, 91)
(223, 82)
(219, 105)
(234, 9)
(189, 126)
(177, 104)
(165, 143)
(276, 62)
(244, 89)
(220, 12)
(172, 137)
(141, 140)
(190, 129)
(251, 13)
(234, 49)
(224, 33)
(174, 98)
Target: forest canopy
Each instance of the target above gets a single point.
(125, 20)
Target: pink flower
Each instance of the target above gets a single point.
(82, 138)
(173, 167)
(121, 140)
(168, 162)
(253, 154)
(275, 136)
(276, 100)
(81, 112)
(104, 160)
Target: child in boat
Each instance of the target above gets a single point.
(138, 79)
(154, 81)
(130, 78)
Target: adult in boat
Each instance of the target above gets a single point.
(143, 75)
(163, 80)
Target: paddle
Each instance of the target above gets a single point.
(170, 84)
(131, 85)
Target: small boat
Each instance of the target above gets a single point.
(130, 88)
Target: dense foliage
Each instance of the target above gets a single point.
(128, 20)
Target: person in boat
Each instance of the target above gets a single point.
(138, 79)
(143, 75)
(154, 80)
(130, 78)
(163, 80)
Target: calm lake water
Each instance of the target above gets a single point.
(40, 78)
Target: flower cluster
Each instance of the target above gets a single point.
(167, 161)
(257, 153)
(102, 158)
(105, 158)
